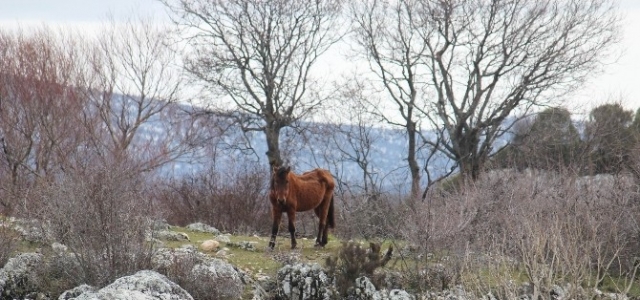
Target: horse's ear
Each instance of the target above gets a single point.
(288, 169)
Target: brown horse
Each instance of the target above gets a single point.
(291, 193)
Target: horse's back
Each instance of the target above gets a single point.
(320, 175)
(314, 187)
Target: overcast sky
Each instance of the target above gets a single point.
(620, 81)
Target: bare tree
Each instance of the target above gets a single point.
(39, 105)
(489, 59)
(466, 66)
(388, 32)
(257, 56)
(354, 138)
(134, 84)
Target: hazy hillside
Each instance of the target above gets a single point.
(335, 147)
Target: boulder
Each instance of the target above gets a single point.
(201, 227)
(203, 274)
(304, 281)
(223, 239)
(144, 285)
(19, 278)
(77, 291)
(227, 280)
(244, 245)
(364, 289)
(165, 258)
(170, 236)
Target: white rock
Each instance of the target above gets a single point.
(144, 285)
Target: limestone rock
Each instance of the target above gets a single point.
(304, 281)
(19, 276)
(170, 236)
(201, 227)
(144, 285)
(223, 238)
(77, 291)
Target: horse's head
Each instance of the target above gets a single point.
(280, 184)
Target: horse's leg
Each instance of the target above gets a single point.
(291, 215)
(277, 215)
(325, 235)
(322, 226)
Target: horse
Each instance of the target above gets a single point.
(293, 193)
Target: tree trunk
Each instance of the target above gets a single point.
(470, 167)
(272, 134)
(413, 163)
(467, 155)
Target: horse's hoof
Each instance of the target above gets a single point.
(318, 245)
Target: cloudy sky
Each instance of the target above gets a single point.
(620, 81)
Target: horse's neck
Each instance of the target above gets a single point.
(293, 180)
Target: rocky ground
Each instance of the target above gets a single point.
(240, 267)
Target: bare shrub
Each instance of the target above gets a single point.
(101, 216)
(550, 228)
(39, 112)
(354, 261)
(9, 243)
(370, 217)
(232, 202)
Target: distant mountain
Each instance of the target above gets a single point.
(343, 149)
(338, 148)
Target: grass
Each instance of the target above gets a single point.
(262, 260)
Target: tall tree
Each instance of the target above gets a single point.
(489, 59)
(133, 82)
(610, 138)
(258, 55)
(484, 61)
(550, 141)
(388, 34)
(39, 109)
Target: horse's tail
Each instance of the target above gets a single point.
(331, 220)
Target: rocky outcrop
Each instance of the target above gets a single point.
(144, 285)
(365, 290)
(304, 281)
(77, 291)
(200, 272)
(19, 278)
